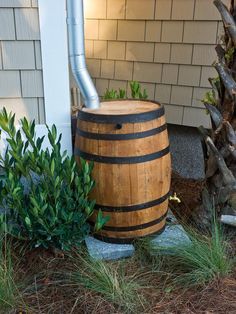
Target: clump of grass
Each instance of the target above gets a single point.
(207, 259)
(110, 280)
(9, 294)
(148, 257)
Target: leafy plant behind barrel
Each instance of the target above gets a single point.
(135, 89)
(44, 194)
(113, 94)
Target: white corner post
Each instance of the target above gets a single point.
(54, 46)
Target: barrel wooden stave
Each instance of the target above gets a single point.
(123, 148)
(138, 188)
(99, 128)
(126, 218)
(132, 188)
(129, 236)
(123, 186)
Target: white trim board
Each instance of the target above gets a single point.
(53, 29)
(54, 46)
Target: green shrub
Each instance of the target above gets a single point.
(136, 92)
(44, 193)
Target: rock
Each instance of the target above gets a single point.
(187, 152)
(100, 250)
(228, 210)
(229, 220)
(171, 218)
(173, 237)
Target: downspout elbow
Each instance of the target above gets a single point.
(75, 21)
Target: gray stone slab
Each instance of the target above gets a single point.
(171, 217)
(186, 151)
(173, 237)
(100, 250)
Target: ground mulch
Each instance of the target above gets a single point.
(218, 298)
(42, 271)
(48, 295)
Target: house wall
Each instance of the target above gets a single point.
(21, 81)
(167, 45)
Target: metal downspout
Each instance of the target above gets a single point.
(75, 21)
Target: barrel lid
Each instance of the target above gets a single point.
(123, 111)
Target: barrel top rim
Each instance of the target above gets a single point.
(150, 110)
(124, 107)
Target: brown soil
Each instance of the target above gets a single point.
(189, 192)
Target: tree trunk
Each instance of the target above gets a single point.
(220, 194)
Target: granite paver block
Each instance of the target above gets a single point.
(171, 217)
(100, 250)
(173, 237)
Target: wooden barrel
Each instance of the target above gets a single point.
(128, 142)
